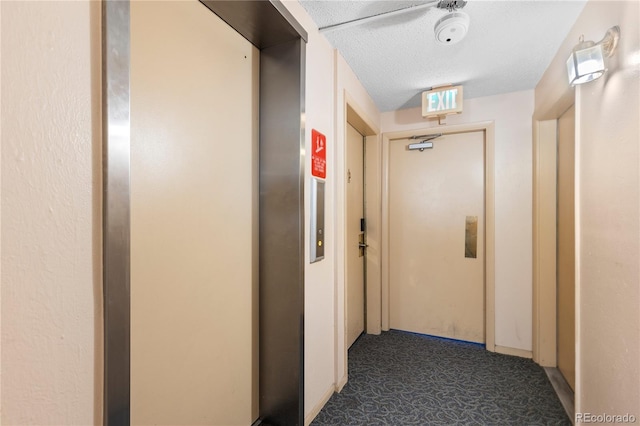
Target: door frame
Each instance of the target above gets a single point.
(557, 235)
(353, 114)
(351, 227)
(488, 127)
(548, 110)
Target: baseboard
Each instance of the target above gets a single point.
(563, 390)
(513, 351)
(316, 410)
(341, 383)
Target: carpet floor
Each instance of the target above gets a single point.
(401, 378)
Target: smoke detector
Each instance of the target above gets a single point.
(452, 27)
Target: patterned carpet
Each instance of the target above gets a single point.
(401, 379)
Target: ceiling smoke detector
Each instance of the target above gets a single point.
(452, 27)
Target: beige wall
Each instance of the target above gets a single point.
(51, 224)
(513, 218)
(607, 209)
(328, 78)
(319, 287)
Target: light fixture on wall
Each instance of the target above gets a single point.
(586, 62)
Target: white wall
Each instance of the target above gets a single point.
(607, 210)
(51, 214)
(513, 210)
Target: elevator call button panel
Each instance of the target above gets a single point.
(317, 234)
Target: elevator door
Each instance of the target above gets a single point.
(436, 285)
(566, 246)
(194, 128)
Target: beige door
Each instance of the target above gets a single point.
(355, 255)
(434, 288)
(193, 217)
(566, 246)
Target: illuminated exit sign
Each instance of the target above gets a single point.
(442, 101)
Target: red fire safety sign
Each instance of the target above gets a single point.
(318, 154)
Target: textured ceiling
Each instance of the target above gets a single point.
(507, 48)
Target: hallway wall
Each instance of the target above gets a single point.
(51, 213)
(513, 217)
(607, 209)
(319, 288)
(328, 78)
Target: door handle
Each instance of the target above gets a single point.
(361, 244)
(361, 248)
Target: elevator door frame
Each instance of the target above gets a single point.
(282, 42)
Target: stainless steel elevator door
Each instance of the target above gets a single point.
(194, 112)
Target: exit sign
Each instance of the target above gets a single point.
(442, 101)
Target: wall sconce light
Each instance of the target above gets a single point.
(586, 62)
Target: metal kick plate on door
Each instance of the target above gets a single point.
(471, 237)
